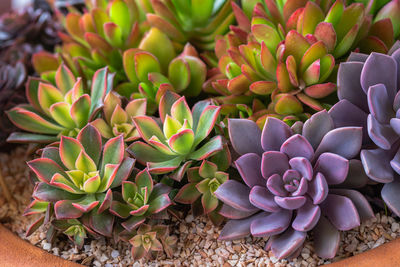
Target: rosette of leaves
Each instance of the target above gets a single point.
(78, 177)
(12, 80)
(149, 240)
(150, 77)
(203, 181)
(369, 97)
(296, 180)
(141, 199)
(118, 120)
(58, 109)
(180, 139)
(197, 22)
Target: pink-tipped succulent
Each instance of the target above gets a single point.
(79, 175)
(118, 120)
(296, 180)
(149, 240)
(368, 89)
(197, 22)
(181, 139)
(199, 192)
(60, 109)
(140, 200)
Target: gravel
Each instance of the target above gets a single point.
(197, 239)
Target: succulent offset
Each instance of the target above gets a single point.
(140, 199)
(289, 176)
(58, 110)
(78, 175)
(369, 97)
(203, 182)
(118, 120)
(179, 140)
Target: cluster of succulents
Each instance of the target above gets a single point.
(145, 104)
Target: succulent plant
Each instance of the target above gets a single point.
(150, 78)
(61, 110)
(11, 94)
(78, 175)
(369, 97)
(197, 22)
(180, 140)
(203, 182)
(285, 56)
(118, 120)
(141, 199)
(148, 240)
(296, 180)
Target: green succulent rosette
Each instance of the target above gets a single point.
(58, 109)
(181, 139)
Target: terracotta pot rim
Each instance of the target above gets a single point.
(15, 251)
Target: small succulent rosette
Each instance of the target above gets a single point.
(197, 22)
(118, 120)
(78, 176)
(140, 199)
(58, 110)
(296, 180)
(180, 140)
(203, 181)
(369, 97)
(149, 240)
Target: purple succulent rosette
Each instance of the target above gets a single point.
(296, 180)
(368, 89)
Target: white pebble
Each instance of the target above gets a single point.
(47, 246)
(395, 227)
(114, 253)
(189, 218)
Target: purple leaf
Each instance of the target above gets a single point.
(263, 199)
(363, 207)
(334, 167)
(345, 142)
(376, 164)
(276, 186)
(341, 212)
(370, 76)
(275, 132)
(297, 146)
(236, 229)
(232, 213)
(316, 127)
(381, 134)
(303, 166)
(349, 87)
(379, 104)
(248, 141)
(236, 195)
(391, 195)
(318, 188)
(271, 224)
(249, 167)
(326, 239)
(273, 162)
(307, 217)
(290, 203)
(287, 243)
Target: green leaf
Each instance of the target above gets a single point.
(206, 123)
(182, 142)
(208, 149)
(143, 179)
(99, 89)
(45, 169)
(70, 149)
(65, 79)
(48, 95)
(85, 163)
(90, 139)
(145, 153)
(113, 34)
(148, 127)
(92, 184)
(114, 151)
(159, 204)
(60, 113)
(188, 194)
(164, 166)
(119, 14)
(145, 63)
(209, 202)
(181, 111)
(179, 74)
(208, 169)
